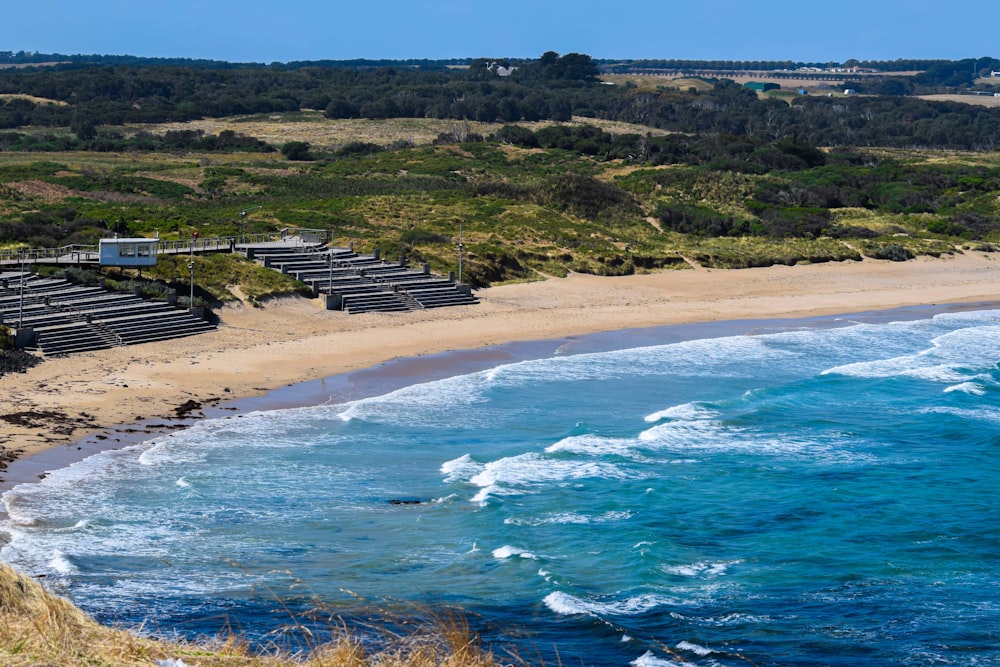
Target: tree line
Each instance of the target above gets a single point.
(981, 65)
(553, 87)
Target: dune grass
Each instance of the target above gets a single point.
(39, 629)
(527, 212)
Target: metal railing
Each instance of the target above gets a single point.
(72, 254)
(30, 255)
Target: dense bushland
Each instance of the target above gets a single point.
(91, 100)
(531, 202)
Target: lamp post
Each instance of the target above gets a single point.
(191, 273)
(329, 284)
(460, 246)
(20, 308)
(243, 215)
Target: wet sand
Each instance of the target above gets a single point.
(69, 407)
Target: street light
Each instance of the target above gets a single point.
(243, 215)
(460, 246)
(329, 284)
(191, 273)
(20, 308)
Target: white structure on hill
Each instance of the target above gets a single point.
(500, 70)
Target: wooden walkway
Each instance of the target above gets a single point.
(90, 254)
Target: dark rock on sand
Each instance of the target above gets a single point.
(17, 361)
(185, 409)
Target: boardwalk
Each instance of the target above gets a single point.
(72, 255)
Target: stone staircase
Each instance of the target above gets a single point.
(365, 283)
(69, 318)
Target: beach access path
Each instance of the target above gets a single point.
(292, 340)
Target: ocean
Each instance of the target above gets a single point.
(815, 492)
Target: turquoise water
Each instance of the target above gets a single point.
(822, 494)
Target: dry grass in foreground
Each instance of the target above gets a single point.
(38, 628)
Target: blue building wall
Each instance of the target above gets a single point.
(128, 252)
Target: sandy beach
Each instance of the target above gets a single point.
(291, 340)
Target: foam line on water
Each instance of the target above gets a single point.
(565, 604)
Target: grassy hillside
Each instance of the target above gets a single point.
(584, 202)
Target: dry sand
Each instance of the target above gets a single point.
(292, 340)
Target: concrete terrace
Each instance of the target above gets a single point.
(357, 283)
(57, 317)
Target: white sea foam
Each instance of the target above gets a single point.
(736, 619)
(703, 569)
(711, 436)
(987, 415)
(649, 659)
(460, 469)
(948, 359)
(171, 450)
(183, 483)
(525, 471)
(60, 564)
(566, 605)
(685, 411)
(505, 552)
(487, 492)
(687, 434)
(569, 518)
(879, 368)
(349, 412)
(972, 388)
(17, 514)
(594, 445)
(696, 357)
(426, 402)
(695, 648)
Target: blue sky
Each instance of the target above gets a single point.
(257, 31)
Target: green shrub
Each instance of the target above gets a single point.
(6, 338)
(893, 252)
(417, 236)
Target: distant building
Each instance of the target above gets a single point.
(500, 70)
(129, 252)
(761, 86)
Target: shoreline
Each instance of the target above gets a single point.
(400, 372)
(290, 353)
